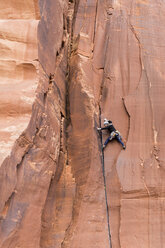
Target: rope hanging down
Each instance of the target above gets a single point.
(105, 189)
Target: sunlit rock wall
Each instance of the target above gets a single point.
(18, 68)
(97, 59)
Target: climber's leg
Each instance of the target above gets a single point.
(109, 139)
(119, 139)
(106, 142)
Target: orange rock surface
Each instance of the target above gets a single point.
(18, 69)
(97, 59)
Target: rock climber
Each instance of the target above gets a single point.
(113, 133)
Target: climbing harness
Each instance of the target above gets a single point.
(105, 189)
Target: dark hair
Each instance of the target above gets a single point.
(110, 121)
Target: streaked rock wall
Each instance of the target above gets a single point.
(95, 59)
(18, 68)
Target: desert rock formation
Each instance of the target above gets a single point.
(18, 69)
(89, 60)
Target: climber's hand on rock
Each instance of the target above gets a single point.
(99, 129)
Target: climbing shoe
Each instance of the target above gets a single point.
(103, 146)
(124, 147)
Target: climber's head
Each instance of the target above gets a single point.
(106, 122)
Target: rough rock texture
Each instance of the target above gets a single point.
(97, 59)
(18, 69)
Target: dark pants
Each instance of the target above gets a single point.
(117, 136)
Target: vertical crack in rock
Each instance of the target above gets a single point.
(143, 178)
(114, 164)
(71, 50)
(105, 76)
(104, 176)
(51, 209)
(129, 117)
(70, 23)
(6, 206)
(62, 132)
(155, 150)
(95, 23)
(105, 184)
(86, 97)
(140, 49)
(50, 218)
(155, 132)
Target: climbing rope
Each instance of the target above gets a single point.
(105, 189)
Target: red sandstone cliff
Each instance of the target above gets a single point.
(89, 60)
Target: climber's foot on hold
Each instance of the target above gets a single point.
(103, 146)
(124, 147)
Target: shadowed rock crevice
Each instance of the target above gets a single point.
(58, 193)
(3, 213)
(35, 166)
(140, 49)
(125, 106)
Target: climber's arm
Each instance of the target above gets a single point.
(102, 128)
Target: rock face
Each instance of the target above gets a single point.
(18, 69)
(95, 59)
